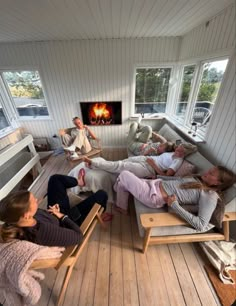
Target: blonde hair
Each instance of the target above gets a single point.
(226, 177)
(188, 148)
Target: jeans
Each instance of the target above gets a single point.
(57, 194)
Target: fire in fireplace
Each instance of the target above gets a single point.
(101, 113)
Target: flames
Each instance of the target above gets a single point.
(100, 113)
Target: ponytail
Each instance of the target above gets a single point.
(10, 232)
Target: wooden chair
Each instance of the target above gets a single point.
(95, 143)
(201, 115)
(71, 254)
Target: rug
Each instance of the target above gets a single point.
(226, 293)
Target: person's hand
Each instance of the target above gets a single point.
(150, 161)
(55, 210)
(171, 199)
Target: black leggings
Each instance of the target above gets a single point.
(57, 194)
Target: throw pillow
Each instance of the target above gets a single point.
(186, 169)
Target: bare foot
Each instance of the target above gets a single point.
(87, 161)
(122, 211)
(81, 176)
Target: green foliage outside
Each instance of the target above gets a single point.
(210, 83)
(152, 85)
(24, 84)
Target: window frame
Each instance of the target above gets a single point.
(11, 100)
(171, 66)
(195, 90)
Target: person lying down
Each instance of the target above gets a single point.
(139, 141)
(203, 192)
(143, 166)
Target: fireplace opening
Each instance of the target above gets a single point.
(101, 113)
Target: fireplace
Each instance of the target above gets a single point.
(101, 113)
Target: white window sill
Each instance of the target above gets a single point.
(185, 131)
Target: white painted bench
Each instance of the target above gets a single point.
(18, 153)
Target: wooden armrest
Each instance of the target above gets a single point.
(170, 219)
(229, 216)
(161, 219)
(94, 212)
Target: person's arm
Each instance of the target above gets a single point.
(206, 206)
(91, 133)
(149, 151)
(169, 172)
(158, 138)
(54, 235)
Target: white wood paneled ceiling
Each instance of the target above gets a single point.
(42, 20)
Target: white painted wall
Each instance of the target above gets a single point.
(201, 42)
(86, 70)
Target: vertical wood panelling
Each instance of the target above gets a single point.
(203, 41)
(86, 70)
(218, 34)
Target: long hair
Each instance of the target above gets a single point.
(226, 178)
(169, 146)
(12, 208)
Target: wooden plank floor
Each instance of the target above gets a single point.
(112, 271)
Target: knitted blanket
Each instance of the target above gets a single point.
(18, 284)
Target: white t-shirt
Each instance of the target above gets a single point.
(166, 161)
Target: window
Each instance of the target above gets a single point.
(210, 80)
(3, 119)
(27, 94)
(186, 88)
(151, 89)
(198, 93)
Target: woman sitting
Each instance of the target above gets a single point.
(142, 166)
(203, 191)
(138, 141)
(58, 226)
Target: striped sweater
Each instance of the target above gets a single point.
(50, 231)
(205, 201)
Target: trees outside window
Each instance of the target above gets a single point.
(151, 89)
(199, 87)
(27, 94)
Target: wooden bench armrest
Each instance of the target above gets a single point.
(229, 216)
(161, 219)
(170, 219)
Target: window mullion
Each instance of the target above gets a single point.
(193, 94)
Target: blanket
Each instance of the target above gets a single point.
(18, 284)
(95, 179)
(222, 255)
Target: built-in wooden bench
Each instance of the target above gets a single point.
(149, 221)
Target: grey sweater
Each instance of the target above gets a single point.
(205, 200)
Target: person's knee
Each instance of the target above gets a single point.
(53, 178)
(101, 197)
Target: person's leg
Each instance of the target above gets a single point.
(85, 206)
(67, 140)
(146, 134)
(122, 196)
(141, 189)
(81, 142)
(57, 194)
(132, 132)
(136, 165)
